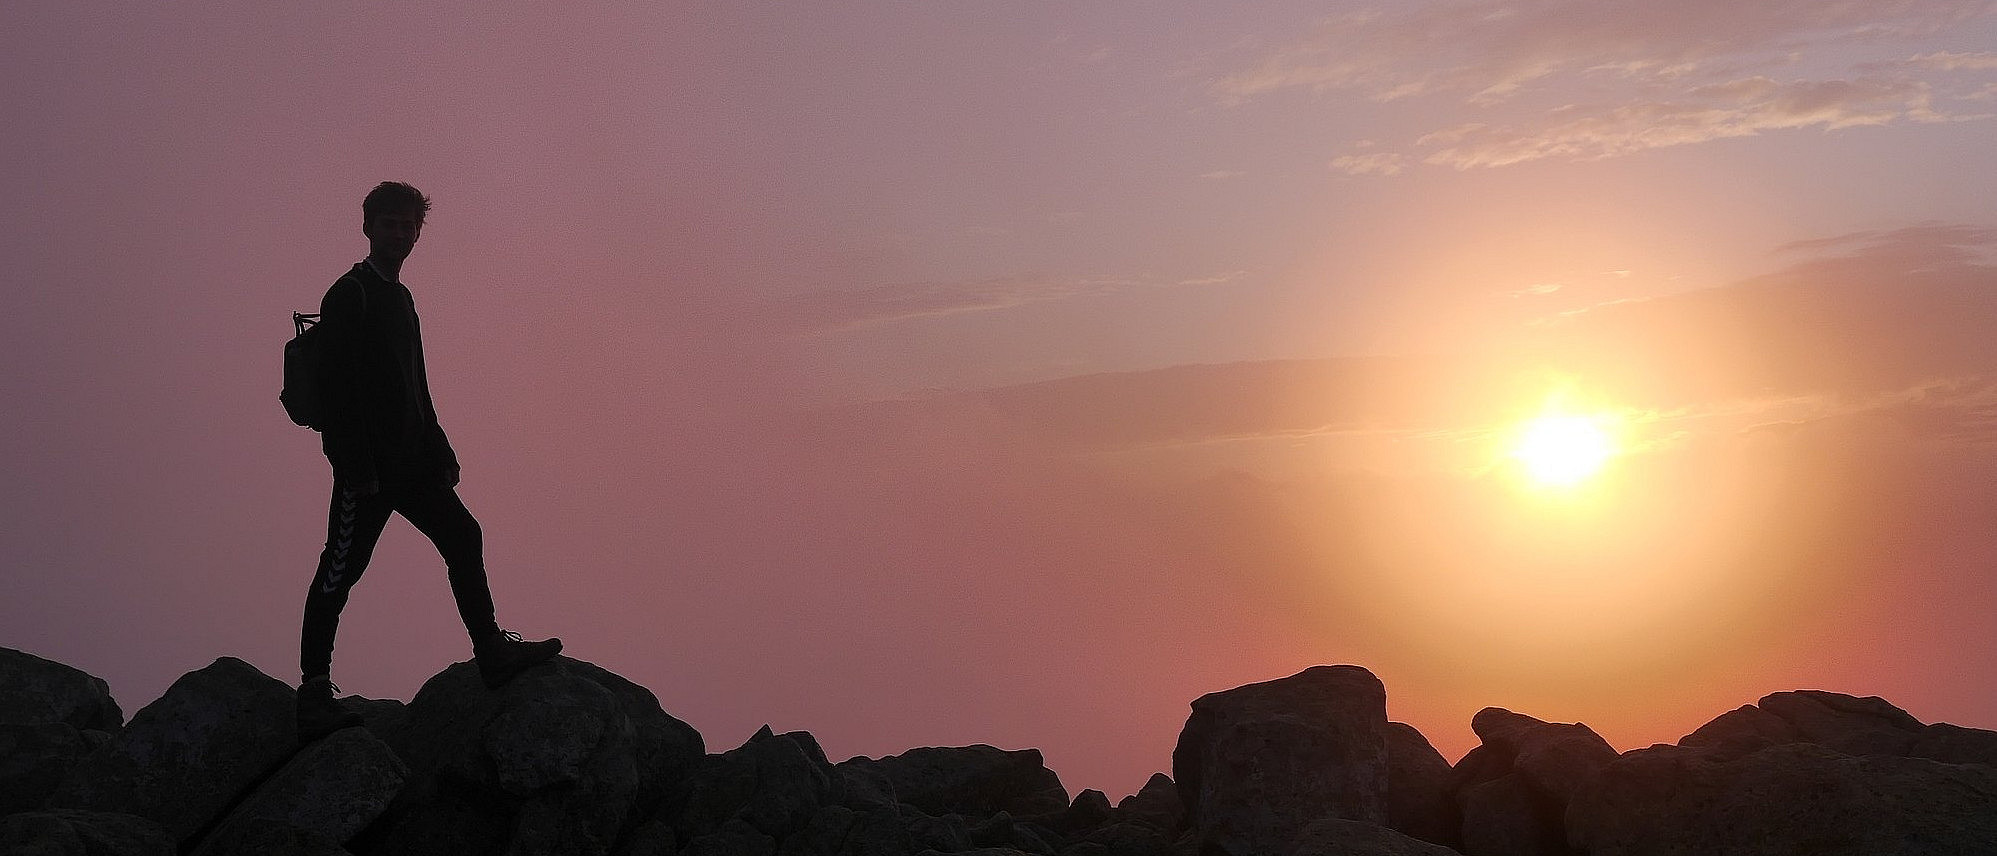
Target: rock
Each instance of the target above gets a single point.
(773, 782)
(652, 839)
(1561, 759)
(33, 761)
(446, 823)
(1127, 839)
(1787, 799)
(1841, 723)
(1419, 801)
(328, 792)
(1510, 816)
(34, 691)
(567, 756)
(1256, 764)
(1335, 837)
(70, 832)
(1156, 805)
(736, 838)
(822, 835)
(974, 781)
(1090, 809)
(185, 758)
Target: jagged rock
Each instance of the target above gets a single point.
(774, 782)
(447, 823)
(34, 691)
(328, 792)
(1157, 805)
(1510, 816)
(822, 835)
(1090, 809)
(1419, 802)
(652, 839)
(33, 761)
(72, 832)
(1258, 763)
(1788, 799)
(974, 781)
(186, 757)
(734, 838)
(948, 833)
(1003, 830)
(1841, 723)
(1335, 837)
(567, 755)
(876, 832)
(1561, 759)
(1125, 839)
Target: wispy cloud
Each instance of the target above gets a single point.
(1739, 108)
(1659, 74)
(1374, 163)
(834, 311)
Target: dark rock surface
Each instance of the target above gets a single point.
(184, 759)
(1258, 763)
(564, 759)
(35, 691)
(328, 792)
(969, 780)
(572, 759)
(1419, 797)
(1334, 837)
(1795, 798)
(72, 832)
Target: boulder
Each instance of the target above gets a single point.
(33, 761)
(185, 758)
(774, 782)
(1846, 724)
(1510, 816)
(564, 759)
(328, 792)
(1419, 799)
(1560, 759)
(735, 838)
(974, 781)
(1795, 798)
(34, 691)
(1124, 839)
(1335, 837)
(71, 832)
(1256, 764)
(1090, 809)
(1156, 805)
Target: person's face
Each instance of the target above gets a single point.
(392, 234)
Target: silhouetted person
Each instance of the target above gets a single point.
(389, 455)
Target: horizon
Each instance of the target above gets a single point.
(936, 375)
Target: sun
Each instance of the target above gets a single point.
(1561, 450)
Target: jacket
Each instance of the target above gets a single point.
(382, 426)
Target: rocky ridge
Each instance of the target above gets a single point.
(572, 759)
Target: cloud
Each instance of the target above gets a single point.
(830, 311)
(1864, 322)
(1376, 163)
(1493, 49)
(1658, 74)
(1738, 108)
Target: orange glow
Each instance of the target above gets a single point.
(1561, 450)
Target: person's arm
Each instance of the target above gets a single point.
(342, 312)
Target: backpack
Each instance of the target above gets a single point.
(305, 383)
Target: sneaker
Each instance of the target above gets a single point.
(503, 655)
(319, 713)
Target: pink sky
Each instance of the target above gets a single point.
(931, 374)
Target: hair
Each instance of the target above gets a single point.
(393, 196)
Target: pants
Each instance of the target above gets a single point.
(354, 525)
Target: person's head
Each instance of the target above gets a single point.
(392, 219)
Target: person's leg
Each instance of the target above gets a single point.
(353, 525)
(441, 516)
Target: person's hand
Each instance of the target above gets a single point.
(364, 488)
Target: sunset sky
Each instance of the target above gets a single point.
(935, 373)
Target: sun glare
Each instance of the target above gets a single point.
(1559, 450)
